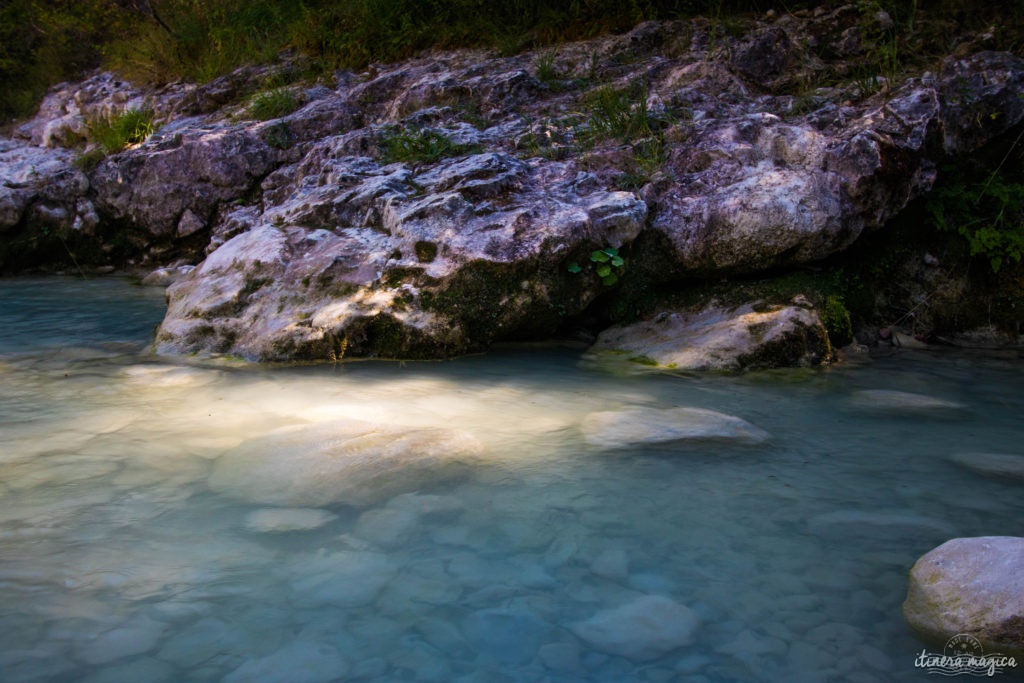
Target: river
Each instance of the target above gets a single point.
(149, 532)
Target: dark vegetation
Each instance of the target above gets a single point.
(43, 42)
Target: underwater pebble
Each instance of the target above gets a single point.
(642, 630)
(279, 520)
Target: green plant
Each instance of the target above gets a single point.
(273, 104)
(606, 264)
(128, 128)
(419, 145)
(989, 215)
(836, 319)
(544, 67)
(90, 158)
(631, 181)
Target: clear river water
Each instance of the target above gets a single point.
(145, 537)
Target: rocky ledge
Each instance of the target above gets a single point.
(432, 207)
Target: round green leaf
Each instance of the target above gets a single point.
(604, 270)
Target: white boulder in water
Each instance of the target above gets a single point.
(277, 520)
(723, 338)
(346, 461)
(646, 628)
(618, 428)
(973, 586)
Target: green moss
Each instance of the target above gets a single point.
(253, 283)
(399, 274)
(836, 319)
(426, 251)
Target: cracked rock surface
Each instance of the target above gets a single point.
(311, 239)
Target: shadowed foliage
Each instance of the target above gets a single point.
(43, 42)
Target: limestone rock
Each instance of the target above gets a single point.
(973, 586)
(164, 277)
(345, 461)
(647, 628)
(321, 246)
(719, 338)
(635, 426)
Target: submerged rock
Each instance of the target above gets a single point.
(720, 338)
(278, 520)
(346, 461)
(995, 464)
(138, 635)
(297, 662)
(647, 628)
(348, 578)
(904, 403)
(847, 523)
(632, 426)
(970, 586)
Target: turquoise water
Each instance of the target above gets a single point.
(139, 543)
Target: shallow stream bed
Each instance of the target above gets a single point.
(137, 545)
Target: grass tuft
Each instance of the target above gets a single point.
(273, 104)
(128, 128)
(420, 146)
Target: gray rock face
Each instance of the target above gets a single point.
(719, 338)
(317, 246)
(973, 586)
(406, 263)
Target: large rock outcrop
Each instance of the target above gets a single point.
(431, 207)
(971, 586)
